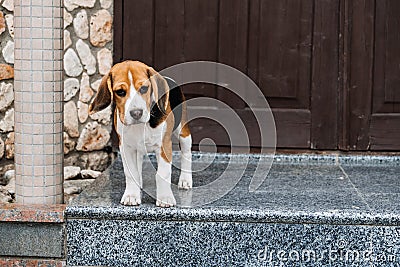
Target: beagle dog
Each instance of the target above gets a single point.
(148, 108)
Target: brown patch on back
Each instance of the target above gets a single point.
(166, 147)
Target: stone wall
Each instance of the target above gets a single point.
(87, 56)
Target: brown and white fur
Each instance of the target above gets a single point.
(144, 122)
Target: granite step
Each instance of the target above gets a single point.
(310, 210)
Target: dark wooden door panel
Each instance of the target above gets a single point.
(284, 47)
(359, 57)
(385, 117)
(330, 70)
(233, 44)
(186, 30)
(373, 75)
(296, 127)
(169, 26)
(325, 73)
(201, 39)
(138, 31)
(386, 95)
(292, 128)
(385, 132)
(280, 48)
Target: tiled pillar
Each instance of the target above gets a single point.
(38, 102)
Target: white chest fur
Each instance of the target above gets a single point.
(141, 136)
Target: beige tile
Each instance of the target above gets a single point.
(38, 191)
(37, 161)
(27, 117)
(50, 160)
(25, 12)
(26, 128)
(48, 107)
(58, 23)
(37, 22)
(59, 167)
(58, 76)
(37, 34)
(37, 11)
(26, 64)
(58, 107)
(37, 97)
(29, 200)
(37, 64)
(49, 171)
(48, 76)
(58, 96)
(48, 23)
(49, 139)
(37, 43)
(57, 12)
(59, 127)
(50, 190)
(59, 190)
(26, 33)
(59, 151)
(37, 149)
(26, 170)
(48, 129)
(47, 55)
(39, 171)
(27, 160)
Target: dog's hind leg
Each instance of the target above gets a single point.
(165, 197)
(185, 142)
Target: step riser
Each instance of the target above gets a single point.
(184, 243)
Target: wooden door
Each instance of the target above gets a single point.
(372, 86)
(293, 50)
(289, 48)
(329, 69)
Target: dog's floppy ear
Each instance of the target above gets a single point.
(159, 88)
(104, 95)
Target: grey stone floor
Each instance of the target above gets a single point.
(304, 188)
(308, 211)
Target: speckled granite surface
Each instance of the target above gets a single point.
(186, 243)
(318, 190)
(306, 203)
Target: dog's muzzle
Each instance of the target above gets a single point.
(136, 113)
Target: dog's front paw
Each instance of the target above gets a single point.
(130, 199)
(185, 181)
(166, 200)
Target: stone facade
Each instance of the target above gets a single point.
(88, 37)
(87, 56)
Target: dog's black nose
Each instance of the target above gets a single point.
(136, 113)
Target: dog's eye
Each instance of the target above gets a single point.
(143, 89)
(120, 93)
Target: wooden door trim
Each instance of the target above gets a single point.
(118, 30)
(324, 77)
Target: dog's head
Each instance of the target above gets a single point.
(135, 88)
